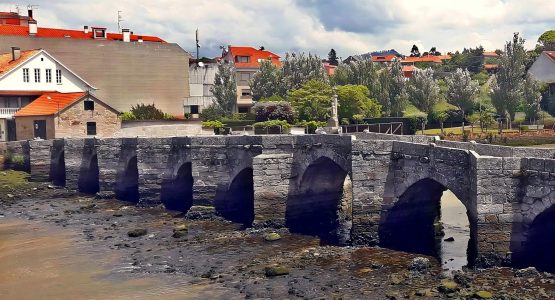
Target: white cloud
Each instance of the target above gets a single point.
(315, 26)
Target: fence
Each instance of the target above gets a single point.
(387, 128)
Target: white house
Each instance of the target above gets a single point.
(25, 76)
(543, 69)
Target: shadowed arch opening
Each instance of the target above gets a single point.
(538, 250)
(323, 204)
(88, 177)
(177, 193)
(127, 188)
(424, 216)
(237, 203)
(58, 170)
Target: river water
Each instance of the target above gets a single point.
(453, 254)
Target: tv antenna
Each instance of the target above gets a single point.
(17, 9)
(120, 19)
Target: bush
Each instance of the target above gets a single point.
(18, 161)
(169, 117)
(311, 126)
(265, 111)
(127, 116)
(415, 122)
(242, 116)
(212, 124)
(274, 98)
(147, 112)
(273, 123)
(237, 123)
(211, 113)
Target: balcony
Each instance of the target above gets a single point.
(7, 112)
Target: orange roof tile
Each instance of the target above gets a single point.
(490, 66)
(254, 54)
(550, 54)
(65, 33)
(427, 58)
(490, 54)
(49, 104)
(383, 58)
(7, 64)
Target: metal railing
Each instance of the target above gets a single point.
(387, 128)
(8, 112)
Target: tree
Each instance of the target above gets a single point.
(225, 89)
(265, 111)
(469, 59)
(354, 100)
(508, 83)
(363, 72)
(267, 81)
(546, 41)
(461, 90)
(441, 117)
(391, 91)
(312, 101)
(414, 52)
(434, 52)
(300, 68)
(532, 98)
(332, 58)
(423, 90)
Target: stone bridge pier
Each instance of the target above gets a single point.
(374, 189)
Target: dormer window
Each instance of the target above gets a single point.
(99, 33)
(243, 59)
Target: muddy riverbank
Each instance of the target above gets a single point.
(78, 247)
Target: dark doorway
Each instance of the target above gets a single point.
(88, 176)
(58, 170)
(237, 204)
(322, 207)
(10, 124)
(40, 129)
(177, 193)
(128, 183)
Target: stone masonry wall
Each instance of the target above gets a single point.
(72, 122)
(40, 159)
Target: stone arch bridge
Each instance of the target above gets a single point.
(364, 188)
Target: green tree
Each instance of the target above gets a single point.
(547, 41)
(423, 90)
(414, 52)
(441, 117)
(299, 68)
(461, 91)
(267, 81)
(532, 98)
(312, 101)
(507, 86)
(363, 72)
(332, 58)
(354, 100)
(391, 90)
(225, 89)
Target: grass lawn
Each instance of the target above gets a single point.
(13, 180)
(458, 130)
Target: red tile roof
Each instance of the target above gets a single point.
(254, 54)
(383, 58)
(490, 54)
(550, 54)
(49, 104)
(428, 58)
(490, 66)
(65, 33)
(7, 64)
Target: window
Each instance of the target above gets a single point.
(91, 128)
(243, 109)
(245, 93)
(245, 76)
(59, 76)
(37, 75)
(194, 109)
(88, 104)
(242, 59)
(48, 75)
(25, 75)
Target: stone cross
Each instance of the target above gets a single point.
(334, 119)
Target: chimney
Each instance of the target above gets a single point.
(126, 35)
(33, 27)
(86, 29)
(16, 53)
(140, 39)
(30, 13)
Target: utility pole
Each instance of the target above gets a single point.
(198, 45)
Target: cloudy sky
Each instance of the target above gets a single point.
(349, 26)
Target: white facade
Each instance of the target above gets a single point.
(42, 61)
(201, 80)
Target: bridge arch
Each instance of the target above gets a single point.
(127, 186)
(177, 191)
(88, 181)
(410, 222)
(236, 203)
(58, 169)
(321, 202)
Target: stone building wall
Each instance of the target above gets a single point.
(24, 129)
(72, 122)
(40, 159)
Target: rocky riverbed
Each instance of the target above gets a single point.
(152, 251)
